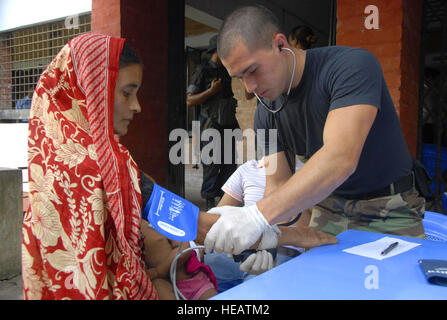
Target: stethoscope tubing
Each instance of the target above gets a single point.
(288, 91)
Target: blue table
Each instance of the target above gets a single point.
(328, 273)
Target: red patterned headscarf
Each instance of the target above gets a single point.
(81, 233)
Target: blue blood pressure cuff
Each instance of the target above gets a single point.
(171, 215)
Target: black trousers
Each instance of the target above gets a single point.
(216, 174)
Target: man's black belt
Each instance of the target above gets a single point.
(401, 185)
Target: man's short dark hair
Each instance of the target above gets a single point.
(255, 25)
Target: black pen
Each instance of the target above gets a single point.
(390, 247)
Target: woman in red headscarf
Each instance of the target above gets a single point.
(81, 233)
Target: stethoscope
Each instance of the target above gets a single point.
(275, 114)
(275, 120)
(288, 91)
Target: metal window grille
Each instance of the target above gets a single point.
(24, 55)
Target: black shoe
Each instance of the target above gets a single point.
(210, 203)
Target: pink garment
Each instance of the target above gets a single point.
(203, 279)
(193, 288)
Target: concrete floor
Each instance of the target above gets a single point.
(12, 289)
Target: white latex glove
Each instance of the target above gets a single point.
(257, 263)
(262, 260)
(236, 230)
(215, 211)
(269, 238)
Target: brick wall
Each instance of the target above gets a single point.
(396, 44)
(245, 108)
(245, 113)
(106, 17)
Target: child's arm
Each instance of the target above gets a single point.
(228, 200)
(165, 266)
(159, 252)
(184, 257)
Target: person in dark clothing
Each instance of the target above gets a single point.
(211, 88)
(332, 106)
(302, 37)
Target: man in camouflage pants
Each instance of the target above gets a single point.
(332, 106)
(399, 214)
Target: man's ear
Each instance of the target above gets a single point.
(279, 41)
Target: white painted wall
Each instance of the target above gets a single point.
(14, 148)
(19, 13)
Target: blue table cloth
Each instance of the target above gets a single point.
(327, 272)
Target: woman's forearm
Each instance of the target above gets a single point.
(206, 221)
(301, 236)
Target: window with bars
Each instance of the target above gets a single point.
(25, 53)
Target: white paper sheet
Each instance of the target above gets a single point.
(374, 249)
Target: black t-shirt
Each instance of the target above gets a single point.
(336, 77)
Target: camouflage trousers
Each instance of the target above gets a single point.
(400, 214)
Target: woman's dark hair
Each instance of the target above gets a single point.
(303, 35)
(129, 56)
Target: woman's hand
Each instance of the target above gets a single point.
(305, 237)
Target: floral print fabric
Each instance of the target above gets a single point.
(81, 233)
